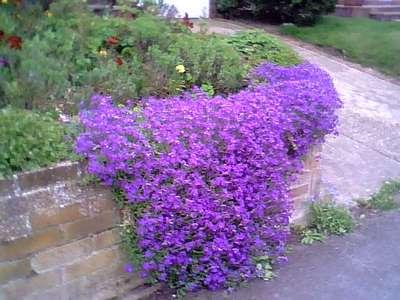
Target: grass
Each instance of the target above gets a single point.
(368, 42)
(326, 218)
(384, 199)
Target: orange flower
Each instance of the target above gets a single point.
(14, 42)
(112, 40)
(186, 21)
(119, 61)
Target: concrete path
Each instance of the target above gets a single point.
(367, 150)
(364, 265)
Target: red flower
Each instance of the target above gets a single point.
(119, 61)
(112, 40)
(14, 42)
(1, 35)
(186, 21)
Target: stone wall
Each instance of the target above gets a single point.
(307, 187)
(58, 235)
(58, 239)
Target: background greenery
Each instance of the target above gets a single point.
(365, 41)
(302, 12)
(66, 55)
(30, 140)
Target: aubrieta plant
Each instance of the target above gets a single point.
(214, 172)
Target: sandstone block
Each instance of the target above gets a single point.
(106, 239)
(62, 255)
(23, 288)
(22, 247)
(57, 215)
(92, 263)
(88, 226)
(299, 190)
(47, 176)
(14, 270)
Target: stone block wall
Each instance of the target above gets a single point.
(59, 237)
(307, 187)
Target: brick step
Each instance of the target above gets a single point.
(377, 2)
(383, 8)
(385, 16)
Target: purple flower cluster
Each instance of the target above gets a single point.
(214, 171)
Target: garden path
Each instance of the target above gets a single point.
(367, 150)
(364, 265)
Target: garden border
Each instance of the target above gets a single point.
(58, 234)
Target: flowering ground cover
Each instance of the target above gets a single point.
(206, 178)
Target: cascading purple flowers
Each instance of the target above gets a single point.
(214, 171)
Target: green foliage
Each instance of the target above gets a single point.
(309, 236)
(368, 42)
(256, 46)
(66, 56)
(385, 198)
(209, 60)
(29, 140)
(264, 267)
(303, 12)
(328, 218)
(208, 89)
(131, 212)
(227, 7)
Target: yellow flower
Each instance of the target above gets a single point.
(103, 52)
(180, 68)
(48, 13)
(4, 1)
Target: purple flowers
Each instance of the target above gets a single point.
(214, 171)
(128, 268)
(4, 62)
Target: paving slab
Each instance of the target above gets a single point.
(364, 265)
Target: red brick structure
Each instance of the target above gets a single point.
(384, 10)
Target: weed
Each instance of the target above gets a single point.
(264, 267)
(309, 236)
(328, 218)
(385, 198)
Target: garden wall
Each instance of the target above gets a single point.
(58, 239)
(58, 235)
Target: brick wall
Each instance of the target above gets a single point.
(58, 239)
(307, 187)
(58, 236)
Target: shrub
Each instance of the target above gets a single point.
(328, 218)
(227, 7)
(256, 46)
(70, 53)
(29, 140)
(210, 175)
(302, 12)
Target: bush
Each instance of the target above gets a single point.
(302, 12)
(328, 218)
(256, 46)
(29, 140)
(69, 53)
(210, 175)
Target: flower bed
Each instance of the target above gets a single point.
(210, 176)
